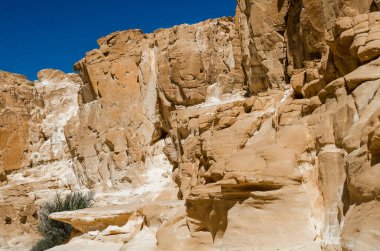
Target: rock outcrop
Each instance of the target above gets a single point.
(132, 83)
(35, 155)
(254, 133)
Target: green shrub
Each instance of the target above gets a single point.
(56, 232)
(46, 243)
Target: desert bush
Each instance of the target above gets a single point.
(56, 232)
(46, 243)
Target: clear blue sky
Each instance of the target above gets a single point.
(37, 34)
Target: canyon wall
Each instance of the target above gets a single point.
(36, 160)
(254, 133)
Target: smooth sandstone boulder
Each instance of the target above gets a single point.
(361, 228)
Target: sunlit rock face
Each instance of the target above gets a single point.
(133, 82)
(35, 157)
(16, 103)
(329, 61)
(254, 133)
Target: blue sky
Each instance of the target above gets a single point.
(37, 34)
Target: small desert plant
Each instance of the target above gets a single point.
(55, 232)
(46, 243)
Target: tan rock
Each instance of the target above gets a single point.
(359, 232)
(92, 219)
(50, 74)
(269, 126)
(313, 88)
(34, 115)
(364, 73)
(263, 46)
(17, 96)
(177, 69)
(297, 81)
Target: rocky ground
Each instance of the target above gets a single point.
(260, 132)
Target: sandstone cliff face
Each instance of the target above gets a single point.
(132, 83)
(16, 98)
(36, 159)
(258, 133)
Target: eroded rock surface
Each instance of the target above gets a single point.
(132, 83)
(255, 133)
(34, 114)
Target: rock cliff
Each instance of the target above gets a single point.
(260, 132)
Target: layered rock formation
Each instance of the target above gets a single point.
(254, 133)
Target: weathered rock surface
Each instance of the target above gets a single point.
(16, 103)
(258, 133)
(134, 80)
(34, 114)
